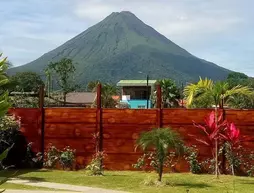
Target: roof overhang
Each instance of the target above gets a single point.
(123, 83)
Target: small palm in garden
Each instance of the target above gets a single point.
(161, 140)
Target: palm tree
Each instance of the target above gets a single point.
(107, 93)
(219, 94)
(170, 93)
(91, 86)
(161, 140)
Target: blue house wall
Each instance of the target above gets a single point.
(136, 104)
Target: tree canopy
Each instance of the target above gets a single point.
(26, 82)
(64, 71)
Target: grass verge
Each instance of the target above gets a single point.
(134, 181)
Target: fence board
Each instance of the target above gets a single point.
(123, 116)
(70, 115)
(55, 130)
(81, 145)
(121, 127)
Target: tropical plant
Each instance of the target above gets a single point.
(150, 159)
(21, 155)
(32, 160)
(64, 71)
(221, 134)
(161, 141)
(213, 127)
(67, 157)
(92, 85)
(4, 104)
(170, 93)
(52, 155)
(3, 155)
(55, 157)
(218, 92)
(191, 155)
(231, 137)
(107, 93)
(241, 102)
(96, 165)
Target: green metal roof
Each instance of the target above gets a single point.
(136, 82)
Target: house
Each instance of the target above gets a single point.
(137, 93)
(84, 98)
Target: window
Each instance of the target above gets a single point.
(141, 106)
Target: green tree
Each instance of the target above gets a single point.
(92, 85)
(237, 78)
(107, 93)
(240, 101)
(219, 93)
(64, 71)
(162, 140)
(170, 93)
(26, 82)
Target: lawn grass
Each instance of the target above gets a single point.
(23, 187)
(133, 181)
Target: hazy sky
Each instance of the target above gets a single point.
(221, 31)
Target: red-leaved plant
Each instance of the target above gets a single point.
(212, 129)
(231, 134)
(219, 132)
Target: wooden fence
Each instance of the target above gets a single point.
(120, 128)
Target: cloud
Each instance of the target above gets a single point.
(172, 18)
(219, 31)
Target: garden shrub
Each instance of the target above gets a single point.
(55, 157)
(96, 167)
(21, 154)
(238, 161)
(191, 155)
(235, 159)
(51, 158)
(9, 135)
(67, 157)
(149, 160)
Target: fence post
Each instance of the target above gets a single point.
(41, 107)
(99, 117)
(158, 106)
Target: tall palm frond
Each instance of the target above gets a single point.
(170, 93)
(192, 91)
(239, 90)
(161, 139)
(219, 92)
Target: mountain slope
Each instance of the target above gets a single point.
(122, 45)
